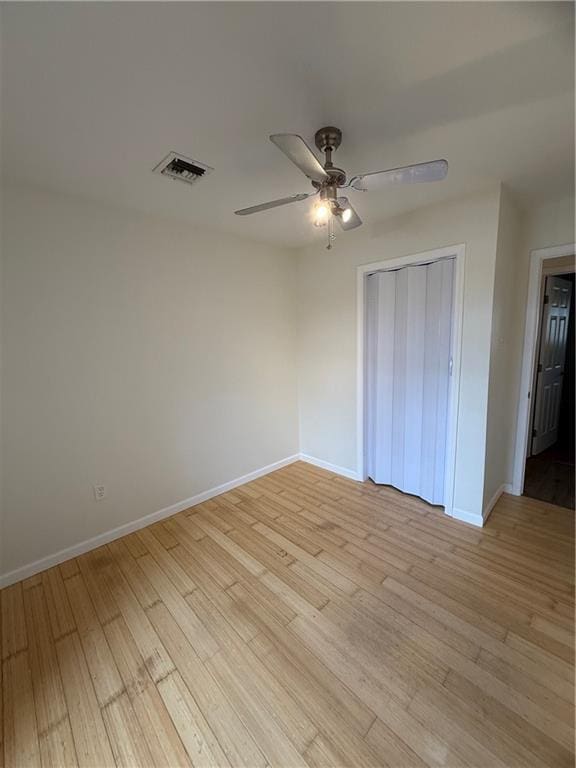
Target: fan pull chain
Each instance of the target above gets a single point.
(331, 235)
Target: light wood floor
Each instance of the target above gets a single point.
(302, 619)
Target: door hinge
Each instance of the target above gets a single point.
(534, 433)
(539, 369)
(546, 299)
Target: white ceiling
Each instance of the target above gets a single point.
(96, 94)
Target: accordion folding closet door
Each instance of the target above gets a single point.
(409, 319)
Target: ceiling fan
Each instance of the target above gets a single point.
(328, 180)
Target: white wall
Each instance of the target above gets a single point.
(327, 331)
(140, 354)
(548, 225)
(506, 350)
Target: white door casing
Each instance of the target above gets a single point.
(550, 367)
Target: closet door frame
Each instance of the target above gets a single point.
(458, 253)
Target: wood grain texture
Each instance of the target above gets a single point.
(300, 620)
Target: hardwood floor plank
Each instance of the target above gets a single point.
(59, 611)
(158, 728)
(312, 533)
(540, 694)
(155, 658)
(133, 544)
(204, 644)
(32, 581)
(487, 706)
(220, 597)
(327, 700)
(270, 493)
(449, 595)
(216, 570)
(105, 676)
(374, 692)
(541, 656)
(407, 598)
(21, 745)
(213, 512)
(466, 749)
(94, 566)
(69, 568)
(386, 743)
(161, 532)
(309, 560)
(290, 597)
(253, 712)
(376, 642)
(280, 705)
(93, 748)
(195, 733)
(321, 754)
(421, 626)
(14, 636)
(132, 573)
(57, 746)
(166, 564)
(563, 635)
(513, 752)
(237, 743)
(126, 737)
(55, 735)
(538, 716)
(277, 562)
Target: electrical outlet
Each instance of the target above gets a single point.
(99, 492)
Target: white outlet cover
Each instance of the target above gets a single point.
(99, 492)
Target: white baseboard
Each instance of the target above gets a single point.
(61, 556)
(468, 517)
(479, 520)
(350, 474)
(493, 501)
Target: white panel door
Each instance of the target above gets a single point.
(552, 354)
(409, 313)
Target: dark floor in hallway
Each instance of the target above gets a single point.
(550, 476)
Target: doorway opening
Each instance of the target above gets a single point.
(544, 462)
(549, 473)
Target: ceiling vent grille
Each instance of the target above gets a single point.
(180, 168)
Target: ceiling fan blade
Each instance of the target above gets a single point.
(296, 149)
(436, 170)
(354, 220)
(273, 204)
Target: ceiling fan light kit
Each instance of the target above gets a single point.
(327, 179)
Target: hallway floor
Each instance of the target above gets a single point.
(550, 477)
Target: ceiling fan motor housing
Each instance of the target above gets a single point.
(328, 138)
